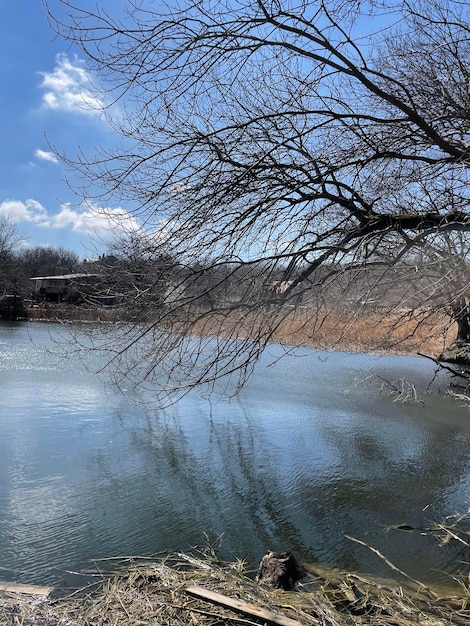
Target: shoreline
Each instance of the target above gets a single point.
(369, 331)
(201, 590)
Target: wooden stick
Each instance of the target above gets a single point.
(36, 590)
(392, 566)
(241, 607)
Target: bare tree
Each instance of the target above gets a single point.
(295, 145)
(47, 261)
(10, 241)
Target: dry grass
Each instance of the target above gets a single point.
(368, 330)
(363, 330)
(155, 594)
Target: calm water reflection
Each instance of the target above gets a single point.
(303, 458)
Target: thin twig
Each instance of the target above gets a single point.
(391, 565)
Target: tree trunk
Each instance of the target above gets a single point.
(461, 315)
(459, 351)
(280, 570)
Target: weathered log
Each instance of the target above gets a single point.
(241, 607)
(36, 590)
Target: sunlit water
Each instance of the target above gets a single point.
(305, 458)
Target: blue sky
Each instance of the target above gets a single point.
(43, 88)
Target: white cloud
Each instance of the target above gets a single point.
(68, 88)
(18, 211)
(94, 221)
(43, 155)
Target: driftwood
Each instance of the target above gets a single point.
(31, 590)
(241, 607)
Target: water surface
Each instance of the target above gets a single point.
(305, 457)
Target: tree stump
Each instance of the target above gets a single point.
(279, 570)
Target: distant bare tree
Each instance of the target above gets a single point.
(298, 148)
(10, 241)
(134, 273)
(47, 261)
(444, 270)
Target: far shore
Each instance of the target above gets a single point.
(369, 331)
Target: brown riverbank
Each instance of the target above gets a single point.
(201, 591)
(366, 330)
(369, 330)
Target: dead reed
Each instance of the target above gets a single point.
(165, 592)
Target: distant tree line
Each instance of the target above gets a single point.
(19, 262)
(150, 280)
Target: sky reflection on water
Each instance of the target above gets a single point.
(300, 459)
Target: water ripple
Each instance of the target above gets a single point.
(291, 463)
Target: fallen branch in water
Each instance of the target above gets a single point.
(392, 566)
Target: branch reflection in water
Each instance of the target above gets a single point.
(300, 459)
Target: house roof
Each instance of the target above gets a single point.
(64, 276)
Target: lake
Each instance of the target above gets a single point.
(308, 455)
